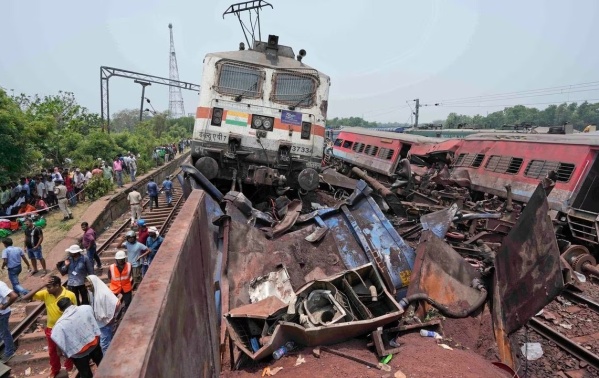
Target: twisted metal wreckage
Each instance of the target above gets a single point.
(333, 273)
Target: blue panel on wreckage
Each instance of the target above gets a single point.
(360, 228)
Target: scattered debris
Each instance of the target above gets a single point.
(532, 351)
(268, 372)
(399, 374)
(300, 360)
(28, 371)
(566, 326)
(445, 346)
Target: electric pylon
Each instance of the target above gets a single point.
(176, 108)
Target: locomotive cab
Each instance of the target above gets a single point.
(261, 117)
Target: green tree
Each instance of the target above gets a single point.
(14, 157)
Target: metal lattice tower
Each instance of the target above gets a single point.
(176, 108)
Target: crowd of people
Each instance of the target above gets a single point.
(165, 153)
(80, 317)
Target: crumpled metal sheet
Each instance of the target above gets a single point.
(285, 331)
(275, 284)
(439, 221)
(441, 273)
(357, 235)
(527, 266)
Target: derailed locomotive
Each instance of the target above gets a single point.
(261, 117)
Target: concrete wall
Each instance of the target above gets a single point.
(171, 328)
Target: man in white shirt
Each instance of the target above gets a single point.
(51, 197)
(79, 183)
(7, 297)
(77, 335)
(135, 201)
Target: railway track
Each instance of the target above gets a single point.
(32, 358)
(568, 331)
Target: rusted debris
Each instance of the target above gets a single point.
(527, 272)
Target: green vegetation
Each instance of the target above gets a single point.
(578, 115)
(42, 132)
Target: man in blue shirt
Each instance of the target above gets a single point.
(77, 266)
(12, 260)
(134, 250)
(153, 242)
(167, 187)
(153, 193)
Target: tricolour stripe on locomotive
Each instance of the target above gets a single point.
(261, 113)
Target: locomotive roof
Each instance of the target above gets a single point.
(579, 139)
(385, 134)
(259, 58)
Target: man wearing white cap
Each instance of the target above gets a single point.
(153, 243)
(77, 266)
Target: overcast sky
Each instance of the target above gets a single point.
(379, 54)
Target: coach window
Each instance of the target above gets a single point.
(294, 89)
(469, 160)
(347, 144)
(385, 153)
(539, 169)
(504, 164)
(338, 142)
(240, 80)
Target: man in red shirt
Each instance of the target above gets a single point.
(143, 232)
(68, 182)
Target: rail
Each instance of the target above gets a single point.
(30, 319)
(565, 343)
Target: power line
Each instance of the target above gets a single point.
(534, 103)
(548, 89)
(516, 97)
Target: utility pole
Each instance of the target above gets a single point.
(143, 84)
(416, 113)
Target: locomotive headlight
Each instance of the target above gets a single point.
(267, 124)
(257, 121)
(217, 116)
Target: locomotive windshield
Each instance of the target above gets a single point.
(294, 89)
(235, 79)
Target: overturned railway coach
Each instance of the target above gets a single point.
(493, 161)
(261, 117)
(378, 152)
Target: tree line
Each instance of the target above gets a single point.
(578, 115)
(44, 131)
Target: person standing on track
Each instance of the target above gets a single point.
(88, 241)
(61, 195)
(11, 257)
(33, 244)
(106, 307)
(50, 293)
(7, 297)
(77, 335)
(142, 232)
(152, 190)
(167, 188)
(120, 276)
(77, 267)
(134, 250)
(153, 242)
(135, 201)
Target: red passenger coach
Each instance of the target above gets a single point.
(496, 160)
(375, 151)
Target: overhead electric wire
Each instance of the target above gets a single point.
(557, 90)
(509, 105)
(514, 97)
